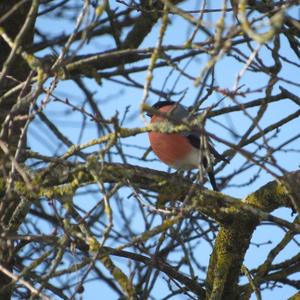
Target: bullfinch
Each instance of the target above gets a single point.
(181, 150)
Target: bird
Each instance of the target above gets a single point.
(181, 151)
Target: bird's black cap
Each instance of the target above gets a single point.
(159, 105)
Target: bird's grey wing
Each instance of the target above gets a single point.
(195, 142)
(180, 113)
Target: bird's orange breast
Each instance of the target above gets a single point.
(169, 148)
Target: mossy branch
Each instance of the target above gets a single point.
(62, 179)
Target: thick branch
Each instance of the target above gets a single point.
(233, 240)
(59, 179)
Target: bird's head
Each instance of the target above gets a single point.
(162, 106)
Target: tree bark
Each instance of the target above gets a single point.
(13, 71)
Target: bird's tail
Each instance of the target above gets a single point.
(212, 180)
(216, 154)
